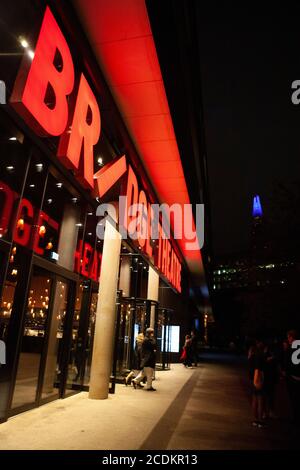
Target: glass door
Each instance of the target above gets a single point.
(52, 373)
(82, 336)
(33, 339)
(133, 318)
(90, 338)
(126, 322)
(38, 372)
(163, 338)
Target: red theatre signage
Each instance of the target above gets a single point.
(141, 222)
(74, 116)
(78, 126)
(32, 224)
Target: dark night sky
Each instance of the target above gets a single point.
(252, 127)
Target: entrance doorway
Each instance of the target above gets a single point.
(39, 372)
(82, 337)
(163, 338)
(133, 317)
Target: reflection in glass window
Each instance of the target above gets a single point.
(33, 339)
(52, 375)
(14, 160)
(6, 303)
(77, 351)
(89, 249)
(63, 223)
(90, 337)
(30, 225)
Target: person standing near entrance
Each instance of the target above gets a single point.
(186, 356)
(148, 360)
(194, 348)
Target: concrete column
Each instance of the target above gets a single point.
(152, 292)
(125, 276)
(68, 236)
(105, 315)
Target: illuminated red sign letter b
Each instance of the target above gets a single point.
(34, 80)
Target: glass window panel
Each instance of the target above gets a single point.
(10, 314)
(90, 337)
(6, 301)
(33, 339)
(13, 165)
(77, 351)
(31, 221)
(52, 374)
(63, 225)
(90, 249)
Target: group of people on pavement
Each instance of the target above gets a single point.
(268, 364)
(145, 358)
(144, 361)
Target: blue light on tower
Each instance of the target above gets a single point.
(257, 209)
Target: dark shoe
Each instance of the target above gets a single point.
(139, 385)
(151, 389)
(261, 424)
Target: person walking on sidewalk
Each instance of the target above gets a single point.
(186, 356)
(271, 379)
(293, 379)
(256, 362)
(148, 361)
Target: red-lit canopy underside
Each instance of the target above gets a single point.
(120, 35)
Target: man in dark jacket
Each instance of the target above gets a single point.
(194, 348)
(148, 360)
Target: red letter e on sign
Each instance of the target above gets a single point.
(33, 80)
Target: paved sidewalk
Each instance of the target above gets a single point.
(202, 408)
(123, 421)
(213, 412)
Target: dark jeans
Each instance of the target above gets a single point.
(195, 357)
(188, 360)
(293, 387)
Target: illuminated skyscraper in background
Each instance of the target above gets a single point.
(257, 209)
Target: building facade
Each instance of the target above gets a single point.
(62, 286)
